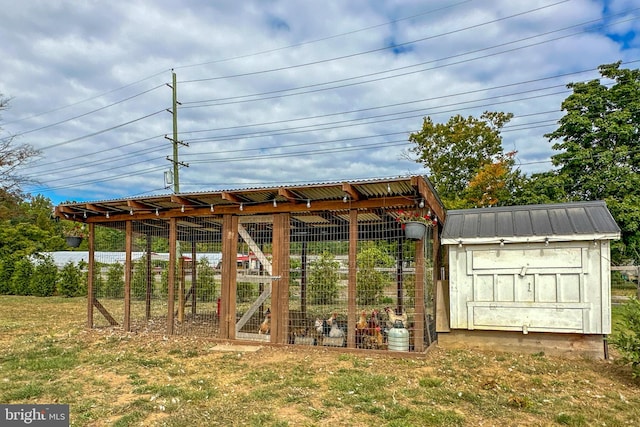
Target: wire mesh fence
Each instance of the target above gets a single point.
(320, 301)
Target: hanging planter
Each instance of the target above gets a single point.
(414, 224)
(73, 241)
(414, 230)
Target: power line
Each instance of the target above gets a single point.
(395, 46)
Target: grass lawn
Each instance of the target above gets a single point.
(110, 378)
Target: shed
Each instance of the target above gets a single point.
(535, 277)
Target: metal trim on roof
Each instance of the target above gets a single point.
(531, 223)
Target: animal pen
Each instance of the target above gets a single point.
(321, 264)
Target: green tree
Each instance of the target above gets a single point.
(21, 278)
(114, 286)
(599, 144)
(6, 271)
(139, 279)
(322, 287)
(69, 284)
(627, 338)
(370, 281)
(44, 277)
(456, 151)
(205, 280)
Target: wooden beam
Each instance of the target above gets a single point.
(256, 209)
(183, 201)
(351, 191)
(229, 276)
(128, 267)
(149, 290)
(91, 276)
(136, 205)
(104, 312)
(173, 239)
(231, 197)
(95, 208)
(289, 195)
(352, 278)
(419, 317)
(430, 199)
(280, 294)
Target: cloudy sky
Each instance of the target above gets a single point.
(282, 92)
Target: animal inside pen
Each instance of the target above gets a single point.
(299, 271)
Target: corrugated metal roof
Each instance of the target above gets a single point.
(531, 223)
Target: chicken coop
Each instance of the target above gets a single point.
(528, 278)
(326, 264)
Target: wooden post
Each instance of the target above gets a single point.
(128, 267)
(228, 286)
(173, 234)
(194, 278)
(418, 320)
(91, 276)
(280, 290)
(150, 280)
(399, 275)
(303, 280)
(181, 290)
(351, 278)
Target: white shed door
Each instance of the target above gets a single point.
(528, 288)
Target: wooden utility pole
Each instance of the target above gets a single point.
(174, 140)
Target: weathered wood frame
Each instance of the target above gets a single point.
(281, 238)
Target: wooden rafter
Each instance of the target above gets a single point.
(289, 195)
(351, 191)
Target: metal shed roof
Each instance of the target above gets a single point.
(531, 223)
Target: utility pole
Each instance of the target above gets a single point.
(174, 140)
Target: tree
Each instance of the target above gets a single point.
(455, 152)
(323, 280)
(627, 338)
(44, 277)
(599, 143)
(495, 183)
(69, 283)
(21, 278)
(370, 282)
(12, 157)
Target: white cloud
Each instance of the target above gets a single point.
(259, 78)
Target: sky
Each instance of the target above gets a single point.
(280, 92)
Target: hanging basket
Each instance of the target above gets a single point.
(414, 230)
(73, 241)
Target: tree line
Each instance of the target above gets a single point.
(597, 157)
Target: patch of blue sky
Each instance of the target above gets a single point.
(390, 42)
(278, 24)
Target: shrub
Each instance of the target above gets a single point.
(6, 271)
(323, 280)
(370, 282)
(139, 279)
(114, 287)
(44, 277)
(21, 278)
(70, 280)
(627, 340)
(206, 285)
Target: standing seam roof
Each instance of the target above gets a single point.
(534, 221)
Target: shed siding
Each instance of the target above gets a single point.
(531, 287)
